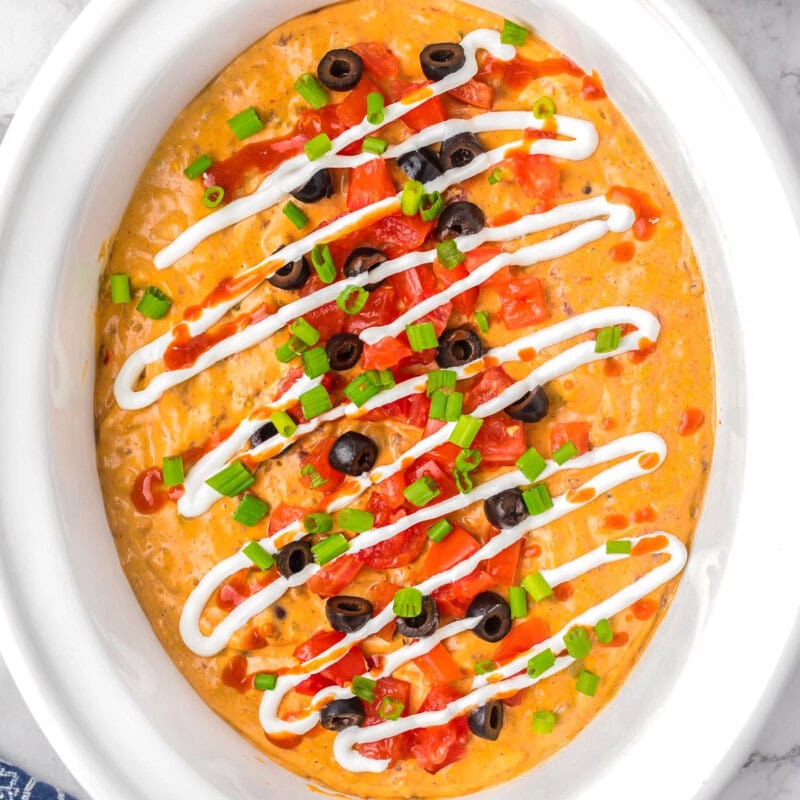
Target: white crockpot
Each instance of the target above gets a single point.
(82, 652)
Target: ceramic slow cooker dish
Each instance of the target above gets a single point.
(123, 718)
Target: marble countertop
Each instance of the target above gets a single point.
(767, 35)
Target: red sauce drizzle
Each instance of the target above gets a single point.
(645, 608)
(646, 514)
(519, 72)
(149, 493)
(617, 522)
(690, 421)
(646, 350)
(622, 252)
(612, 368)
(647, 212)
(620, 639)
(649, 545)
(592, 87)
(234, 673)
(563, 591)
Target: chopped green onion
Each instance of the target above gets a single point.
(283, 423)
(544, 108)
(578, 643)
(619, 547)
(317, 147)
(258, 555)
(288, 351)
(544, 722)
(309, 89)
(352, 299)
(422, 491)
(531, 464)
(390, 709)
(318, 522)
(361, 389)
(608, 339)
(440, 379)
(541, 662)
(374, 145)
(468, 460)
(518, 601)
(315, 362)
(120, 288)
(329, 548)
(172, 471)
(455, 402)
(483, 666)
(251, 510)
(587, 683)
(315, 401)
(411, 197)
(421, 336)
(315, 480)
(439, 530)
(448, 254)
(375, 113)
(304, 331)
(407, 603)
(232, 480)
(565, 453)
(446, 406)
(603, 632)
(513, 33)
(245, 123)
(431, 206)
(154, 303)
(322, 261)
(537, 499)
(198, 167)
(385, 378)
(295, 215)
(212, 196)
(463, 481)
(438, 408)
(265, 682)
(495, 176)
(364, 688)
(536, 586)
(355, 519)
(466, 430)
(482, 318)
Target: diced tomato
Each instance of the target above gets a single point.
(369, 183)
(352, 110)
(413, 410)
(312, 684)
(398, 551)
(312, 122)
(318, 643)
(344, 670)
(515, 699)
(398, 234)
(465, 302)
(413, 285)
(283, 515)
(504, 566)
(524, 304)
(388, 495)
(425, 115)
(334, 577)
(318, 461)
(419, 407)
(452, 550)
(427, 466)
(380, 309)
(501, 440)
(488, 385)
(381, 594)
(539, 177)
(327, 319)
(475, 93)
(575, 432)
(378, 59)
(384, 354)
(440, 745)
(292, 376)
(521, 638)
(438, 666)
(445, 455)
(397, 747)
(243, 584)
(439, 317)
(453, 599)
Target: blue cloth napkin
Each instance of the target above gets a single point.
(16, 784)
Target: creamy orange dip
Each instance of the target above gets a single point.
(560, 397)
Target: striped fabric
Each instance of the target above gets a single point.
(15, 784)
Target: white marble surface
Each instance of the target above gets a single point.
(765, 32)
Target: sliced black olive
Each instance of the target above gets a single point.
(424, 624)
(318, 186)
(347, 613)
(442, 59)
(292, 275)
(487, 721)
(341, 714)
(458, 346)
(340, 70)
(353, 453)
(344, 350)
(459, 219)
(531, 407)
(495, 614)
(363, 259)
(420, 165)
(293, 558)
(506, 509)
(459, 150)
(264, 433)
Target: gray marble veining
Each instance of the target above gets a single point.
(766, 33)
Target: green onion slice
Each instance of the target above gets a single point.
(232, 480)
(587, 683)
(422, 491)
(390, 709)
(322, 261)
(448, 254)
(315, 362)
(578, 643)
(213, 196)
(518, 601)
(172, 471)
(466, 430)
(537, 499)
(329, 548)
(439, 530)
(440, 379)
(258, 555)
(154, 303)
(411, 197)
(364, 688)
(603, 632)
(513, 33)
(407, 603)
(315, 480)
(541, 662)
(495, 176)
(544, 108)
(463, 481)
(295, 215)
(362, 389)
(198, 167)
(245, 123)
(531, 464)
(304, 331)
(421, 336)
(355, 519)
(283, 423)
(310, 90)
(544, 722)
(374, 145)
(317, 147)
(375, 111)
(565, 453)
(608, 339)
(484, 666)
(352, 299)
(431, 206)
(619, 547)
(482, 318)
(251, 510)
(468, 460)
(265, 682)
(318, 522)
(315, 401)
(536, 586)
(120, 288)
